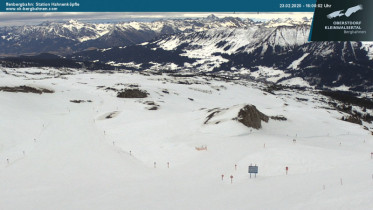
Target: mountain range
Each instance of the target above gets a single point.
(72, 36)
(280, 54)
(275, 51)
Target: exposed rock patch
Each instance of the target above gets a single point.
(211, 115)
(133, 85)
(109, 115)
(153, 108)
(80, 101)
(279, 118)
(25, 89)
(352, 119)
(132, 93)
(251, 117)
(248, 115)
(110, 88)
(301, 99)
(152, 104)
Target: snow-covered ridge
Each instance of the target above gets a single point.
(222, 40)
(287, 22)
(72, 36)
(81, 31)
(206, 44)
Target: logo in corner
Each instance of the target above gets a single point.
(348, 12)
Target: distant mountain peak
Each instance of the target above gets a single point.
(212, 17)
(45, 23)
(72, 21)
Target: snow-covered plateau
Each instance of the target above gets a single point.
(76, 145)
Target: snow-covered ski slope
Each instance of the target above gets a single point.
(65, 155)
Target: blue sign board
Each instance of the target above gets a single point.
(253, 169)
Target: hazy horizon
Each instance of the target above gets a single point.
(17, 19)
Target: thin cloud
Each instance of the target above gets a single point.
(10, 19)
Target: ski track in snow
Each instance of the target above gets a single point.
(80, 160)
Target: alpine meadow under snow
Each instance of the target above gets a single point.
(68, 142)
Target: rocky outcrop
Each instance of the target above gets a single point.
(26, 89)
(352, 119)
(246, 114)
(132, 93)
(251, 117)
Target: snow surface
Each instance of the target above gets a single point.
(296, 81)
(275, 22)
(269, 74)
(207, 45)
(295, 64)
(75, 158)
(368, 46)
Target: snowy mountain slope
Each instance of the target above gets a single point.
(231, 41)
(228, 46)
(287, 22)
(321, 64)
(48, 37)
(368, 46)
(206, 46)
(82, 160)
(223, 39)
(241, 51)
(285, 48)
(336, 64)
(72, 36)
